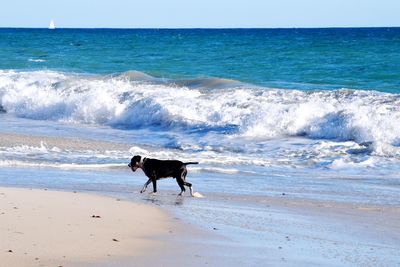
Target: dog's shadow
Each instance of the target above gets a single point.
(161, 200)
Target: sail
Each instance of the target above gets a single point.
(52, 26)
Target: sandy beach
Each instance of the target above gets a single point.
(49, 228)
(41, 227)
(92, 217)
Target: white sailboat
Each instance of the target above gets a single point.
(52, 26)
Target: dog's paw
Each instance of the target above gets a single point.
(197, 194)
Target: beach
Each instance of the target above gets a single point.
(48, 228)
(42, 225)
(43, 228)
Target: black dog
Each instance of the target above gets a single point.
(157, 169)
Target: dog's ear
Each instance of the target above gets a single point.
(136, 158)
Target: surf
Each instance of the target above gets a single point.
(135, 100)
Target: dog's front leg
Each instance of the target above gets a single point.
(145, 186)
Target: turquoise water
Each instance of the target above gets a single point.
(248, 98)
(365, 58)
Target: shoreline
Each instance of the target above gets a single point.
(226, 228)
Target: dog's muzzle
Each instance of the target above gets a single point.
(133, 168)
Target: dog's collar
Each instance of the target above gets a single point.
(142, 161)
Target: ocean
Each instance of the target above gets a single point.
(305, 114)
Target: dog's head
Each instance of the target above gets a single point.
(135, 163)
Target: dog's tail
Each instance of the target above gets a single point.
(187, 163)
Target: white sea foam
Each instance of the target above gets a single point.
(36, 60)
(64, 166)
(198, 195)
(47, 156)
(343, 163)
(241, 111)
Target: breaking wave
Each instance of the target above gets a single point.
(134, 100)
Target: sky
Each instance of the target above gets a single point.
(199, 13)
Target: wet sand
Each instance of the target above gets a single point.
(12, 139)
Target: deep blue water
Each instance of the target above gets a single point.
(354, 58)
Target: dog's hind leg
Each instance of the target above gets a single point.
(183, 175)
(190, 187)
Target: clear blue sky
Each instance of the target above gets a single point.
(199, 13)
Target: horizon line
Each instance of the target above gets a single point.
(203, 28)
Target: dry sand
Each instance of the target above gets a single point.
(50, 228)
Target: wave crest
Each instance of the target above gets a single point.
(137, 100)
